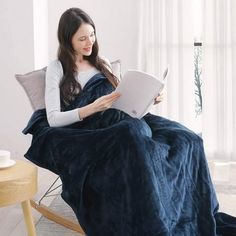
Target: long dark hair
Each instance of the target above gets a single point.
(69, 23)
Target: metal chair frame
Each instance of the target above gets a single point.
(53, 215)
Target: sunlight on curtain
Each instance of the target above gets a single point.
(166, 38)
(197, 11)
(219, 72)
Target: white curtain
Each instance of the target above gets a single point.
(219, 79)
(166, 38)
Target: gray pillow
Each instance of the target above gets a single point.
(34, 84)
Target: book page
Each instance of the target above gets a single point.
(138, 91)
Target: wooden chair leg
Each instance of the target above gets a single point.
(52, 215)
(29, 222)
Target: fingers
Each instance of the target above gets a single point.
(159, 98)
(113, 95)
(106, 101)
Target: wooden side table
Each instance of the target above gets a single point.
(18, 184)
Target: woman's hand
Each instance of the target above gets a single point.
(101, 104)
(159, 98)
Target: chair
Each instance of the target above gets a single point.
(33, 84)
(53, 215)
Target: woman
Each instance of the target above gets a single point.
(120, 175)
(78, 61)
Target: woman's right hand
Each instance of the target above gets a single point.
(105, 102)
(101, 104)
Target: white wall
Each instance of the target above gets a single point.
(116, 23)
(16, 56)
(40, 18)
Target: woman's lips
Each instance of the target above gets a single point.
(88, 49)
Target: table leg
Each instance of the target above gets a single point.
(28, 218)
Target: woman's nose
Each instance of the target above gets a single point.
(89, 41)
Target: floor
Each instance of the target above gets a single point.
(223, 175)
(224, 179)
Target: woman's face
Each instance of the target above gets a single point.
(83, 40)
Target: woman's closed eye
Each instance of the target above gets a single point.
(83, 38)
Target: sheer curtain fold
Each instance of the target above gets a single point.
(219, 87)
(166, 38)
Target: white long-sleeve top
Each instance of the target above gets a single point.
(54, 74)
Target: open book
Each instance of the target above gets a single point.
(138, 92)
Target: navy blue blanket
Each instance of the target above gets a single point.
(129, 177)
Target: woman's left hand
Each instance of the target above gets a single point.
(159, 98)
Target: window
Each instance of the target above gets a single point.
(198, 63)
